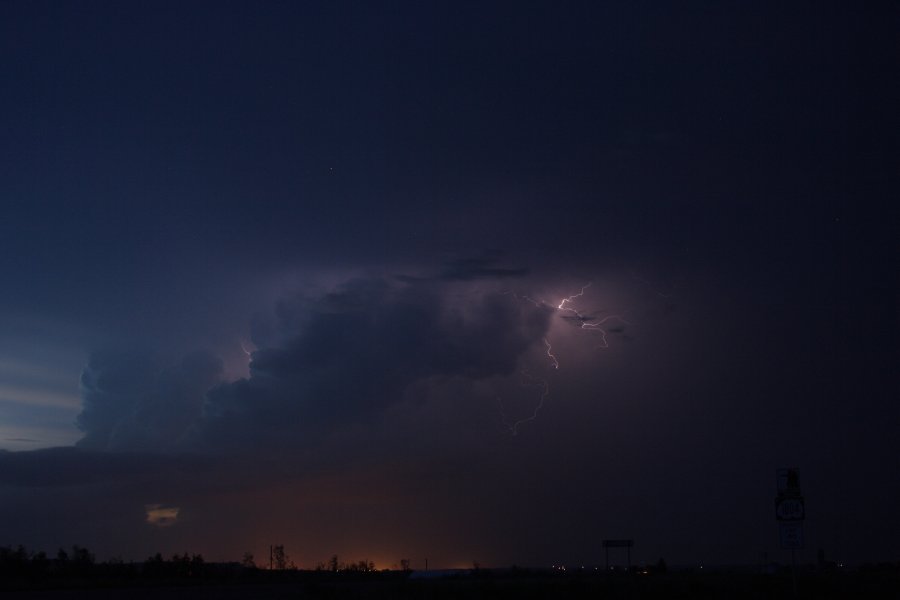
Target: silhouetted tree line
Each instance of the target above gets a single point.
(335, 565)
(77, 567)
(179, 566)
(19, 561)
(21, 567)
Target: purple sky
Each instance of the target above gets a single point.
(294, 274)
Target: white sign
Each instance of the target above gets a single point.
(788, 508)
(791, 534)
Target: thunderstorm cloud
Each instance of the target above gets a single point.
(295, 271)
(342, 358)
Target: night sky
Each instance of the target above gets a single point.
(467, 281)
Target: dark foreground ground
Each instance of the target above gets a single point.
(521, 585)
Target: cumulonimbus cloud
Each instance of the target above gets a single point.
(343, 357)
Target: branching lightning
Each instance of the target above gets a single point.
(562, 305)
(586, 322)
(597, 326)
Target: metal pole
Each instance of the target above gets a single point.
(794, 570)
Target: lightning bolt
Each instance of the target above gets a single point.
(562, 305)
(247, 352)
(597, 326)
(649, 285)
(553, 360)
(588, 323)
(537, 303)
(528, 380)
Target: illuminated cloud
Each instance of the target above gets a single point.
(341, 357)
(349, 355)
(160, 515)
(351, 201)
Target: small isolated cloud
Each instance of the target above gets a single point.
(159, 515)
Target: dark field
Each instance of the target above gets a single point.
(861, 584)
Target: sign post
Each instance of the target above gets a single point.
(627, 544)
(790, 511)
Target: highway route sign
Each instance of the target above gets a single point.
(791, 535)
(789, 508)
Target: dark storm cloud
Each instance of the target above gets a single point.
(134, 401)
(467, 269)
(163, 167)
(340, 359)
(346, 357)
(67, 466)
